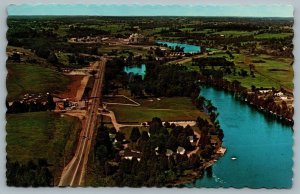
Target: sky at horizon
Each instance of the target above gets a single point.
(153, 10)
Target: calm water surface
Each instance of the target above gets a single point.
(263, 147)
(136, 70)
(188, 48)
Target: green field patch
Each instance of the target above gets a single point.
(234, 33)
(25, 78)
(187, 29)
(276, 78)
(168, 109)
(270, 71)
(117, 99)
(35, 135)
(273, 35)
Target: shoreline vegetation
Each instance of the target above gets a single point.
(262, 102)
(199, 173)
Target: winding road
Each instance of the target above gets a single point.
(114, 121)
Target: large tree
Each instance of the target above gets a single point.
(135, 134)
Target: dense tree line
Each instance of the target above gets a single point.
(164, 80)
(32, 106)
(86, 31)
(115, 75)
(31, 174)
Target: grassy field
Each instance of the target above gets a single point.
(25, 77)
(168, 109)
(234, 33)
(270, 35)
(270, 71)
(138, 50)
(187, 29)
(35, 135)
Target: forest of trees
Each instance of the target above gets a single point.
(32, 174)
(163, 80)
(30, 106)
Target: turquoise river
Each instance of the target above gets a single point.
(262, 147)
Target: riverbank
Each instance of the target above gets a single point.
(196, 174)
(270, 102)
(218, 152)
(254, 140)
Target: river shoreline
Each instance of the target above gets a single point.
(196, 174)
(242, 94)
(254, 140)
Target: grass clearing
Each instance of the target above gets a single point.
(35, 135)
(273, 35)
(270, 71)
(233, 33)
(26, 78)
(168, 109)
(186, 29)
(266, 76)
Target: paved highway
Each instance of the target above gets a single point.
(73, 174)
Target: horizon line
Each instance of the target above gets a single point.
(255, 10)
(87, 15)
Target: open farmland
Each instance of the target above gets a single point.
(42, 135)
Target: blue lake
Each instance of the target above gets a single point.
(262, 146)
(188, 48)
(136, 70)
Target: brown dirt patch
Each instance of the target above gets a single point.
(72, 88)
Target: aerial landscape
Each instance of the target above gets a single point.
(148, 100)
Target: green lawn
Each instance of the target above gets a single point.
(168, 109)
(273, 72)
(25, 77)
(148, 32)
(186, 29)
(270, 71)
(272, 35)
(35, 135)
(234, 33)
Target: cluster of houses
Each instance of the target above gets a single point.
(283, 100)
(129, 154)
(29, 103)
(281, 95)
(66, 104)
(134, 38)
(137, 39)
(39, 97)
(88, 39)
